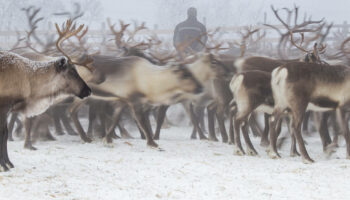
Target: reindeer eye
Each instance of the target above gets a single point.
(61, 64)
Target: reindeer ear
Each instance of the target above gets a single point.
(61, 64)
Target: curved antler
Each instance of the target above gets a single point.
(69, 30)
(298, 46)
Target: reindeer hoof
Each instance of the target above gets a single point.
(152, 144)
(264, 143)
(108, 142)
(272, 154)
(238, 151)
(213, 139)
(156, 137)
(307, 160)
(330, 149)
(4, 168)
(294, 153)
(251, 152)
(87, 139)
(201, 137)
(30, 147)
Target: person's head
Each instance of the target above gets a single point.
(192, 12)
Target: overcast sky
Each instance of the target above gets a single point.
(167, 13)
(220, 12)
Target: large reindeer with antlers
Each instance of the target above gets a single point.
(136, 82)
(30, 87)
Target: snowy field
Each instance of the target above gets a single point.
(186, 169)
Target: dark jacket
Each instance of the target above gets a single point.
(188, 30)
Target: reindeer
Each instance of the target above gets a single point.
(269, 64)
(206, 69)
(30, 87)
(136, 82)
(252, 91)
(300, 86)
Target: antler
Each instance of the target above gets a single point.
(137, 28)
(298, 46)
(304, 27)
(245, 36)
(68, 31)
(118, 34)
(31, 13)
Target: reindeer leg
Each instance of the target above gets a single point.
(305, 123)
(264, 142)
(105, 124)
(161, 113)
(11, 125)
(211, 122)
(321, 120)
(273, 121)
(92, 118)
(108, 139)
(254, 125)
(19, 127)
(297, 118)
(28, 127)
(4, 151)
(57, 124)
(3, 141)
(148, 122)
(238, 150)
(123, 132)
(250, 148)
(194, 120)
(344, 128)
(221, 122)
(66, 123)
(141, 120)
(74, 115)
(293, 146)
(231, 139)
(200, 116)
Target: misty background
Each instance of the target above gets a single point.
(165, 14)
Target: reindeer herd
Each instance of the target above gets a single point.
(48, 83)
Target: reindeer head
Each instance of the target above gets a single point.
(69, 78)
(311, 56)
(65, 67)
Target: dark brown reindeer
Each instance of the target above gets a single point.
(30, 87)
(300, 86)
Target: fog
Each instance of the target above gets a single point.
(167, 13)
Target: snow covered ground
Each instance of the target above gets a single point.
(187, 169)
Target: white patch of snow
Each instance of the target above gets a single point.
(187, 169)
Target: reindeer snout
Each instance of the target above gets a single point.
(86, 91)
